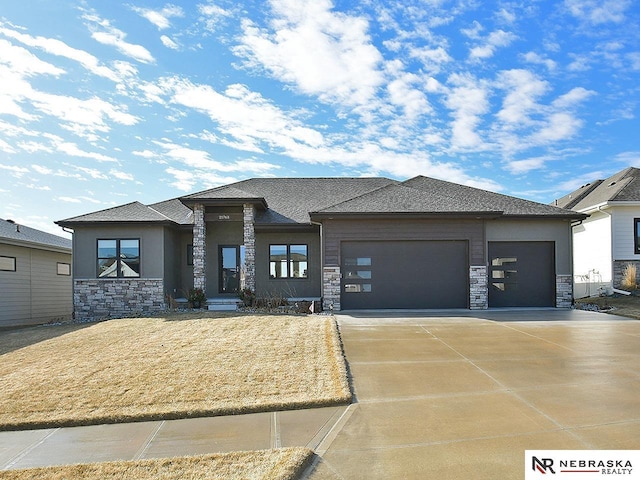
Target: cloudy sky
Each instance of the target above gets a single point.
(103, 103)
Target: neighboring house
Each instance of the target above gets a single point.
(355, 243)
(609, 239)
(35, 276)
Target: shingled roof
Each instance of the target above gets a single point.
(169, 211)
(623, 186)
(294, 201)
(13, 233)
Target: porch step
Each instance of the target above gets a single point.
(223, 304)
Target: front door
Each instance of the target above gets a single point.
(229, 262)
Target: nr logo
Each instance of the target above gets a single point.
(542, 465)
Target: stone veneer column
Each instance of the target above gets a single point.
(478, 287)
(249, 212)
(564, 291)
(199, 247)
(331, 281)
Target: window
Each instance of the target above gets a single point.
(119, 258)
(357, 269)
(8, 264)
(636, 235)
(63, 269)
(190, 255)
(288, 261)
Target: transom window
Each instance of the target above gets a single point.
(288, 261)
(119, 258)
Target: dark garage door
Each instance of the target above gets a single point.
(404, 274)
(522, 274)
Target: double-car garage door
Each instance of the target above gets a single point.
(405, 274)
(435, 274)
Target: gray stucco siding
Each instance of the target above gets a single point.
(152, 246)
(292, 287)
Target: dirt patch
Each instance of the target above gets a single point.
(622, 305)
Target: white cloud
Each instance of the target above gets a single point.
(496, 39)
(468, 101)
(15, 170)
(103, 32)
(523, 91)
(212, 15)
(59, 48)
(121, 175)
(536, 59)
(598, 12)
(518, 167)
(167, 42)
(247, 117)
(160, 18)
(321, 52)
(5, 147)
(73, 150)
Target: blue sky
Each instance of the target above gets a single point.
(103, 103)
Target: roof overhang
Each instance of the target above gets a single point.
(404, 215)
(36, 245)
(259, 203)
(97, 223)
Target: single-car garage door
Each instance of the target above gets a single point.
(405, 274)
(522, 274)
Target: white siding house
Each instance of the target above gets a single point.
(609, 239)
(35, 276)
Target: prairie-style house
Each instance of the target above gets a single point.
(354, 243)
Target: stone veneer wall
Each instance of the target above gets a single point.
(331, 280)
(619, 267)
(249, 247)
(114, 298)
(478, 287)
(564, 291)
(199, 248)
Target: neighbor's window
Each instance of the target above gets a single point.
(63, 269)
(288, 261)
(119, 258)
(636, 235)
(8, 264)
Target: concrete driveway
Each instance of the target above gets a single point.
(463, 395)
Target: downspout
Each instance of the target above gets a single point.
(610, 240)
(321, 261)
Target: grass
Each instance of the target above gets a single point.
(278, 464)
(166, 368)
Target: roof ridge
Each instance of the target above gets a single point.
(397, 183)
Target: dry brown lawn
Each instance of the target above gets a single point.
(165, 368)
(279, 464)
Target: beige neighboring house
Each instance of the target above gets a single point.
(35, 276)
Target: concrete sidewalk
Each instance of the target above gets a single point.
(442, 395)
(195, 436)
(464, 395)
